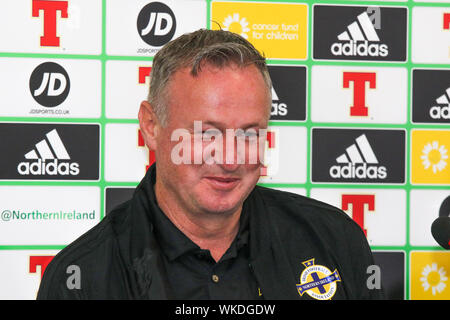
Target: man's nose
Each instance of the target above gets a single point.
(230, 155)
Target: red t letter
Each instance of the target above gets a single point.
(358, 201)
(42, 261)
(144, 72)
(359, 80)
(446, 21)
(49, 39)
(270, 138)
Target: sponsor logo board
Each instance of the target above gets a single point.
(132, 77)
(359, 94)
(360, 33)
(431, 96)
(41, 151)
(126, 159)
(289, 87)
(50, 88)
(47, 215)
(429, 157)
(381, 214)
(285, 157)
(430, 35)
(358, 156)
(280, 36)
(144, 27)
(60, 27)
(21, 272)
(115, 196)
(429, 275)
(392, 270)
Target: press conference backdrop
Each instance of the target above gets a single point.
(360, 119)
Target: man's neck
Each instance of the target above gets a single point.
(210, 231)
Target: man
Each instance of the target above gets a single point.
(197, 227)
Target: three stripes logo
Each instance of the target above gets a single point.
(358, 155)
(278, 109)
(373, 33)
(288, 92)
(49, 151)
(49, 157)
(358, 161)
(431, 95)
(442, 109)
(360, 39)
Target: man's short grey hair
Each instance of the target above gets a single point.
(216, 47)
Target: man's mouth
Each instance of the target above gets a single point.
(222, 183)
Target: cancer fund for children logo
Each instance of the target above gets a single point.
(278, 30)
(429, 275)
(430, 157)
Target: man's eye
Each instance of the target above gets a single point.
(211, 133)
(247, 134)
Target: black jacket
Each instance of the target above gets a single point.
(120, 259)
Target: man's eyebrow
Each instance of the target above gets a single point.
(218, 124)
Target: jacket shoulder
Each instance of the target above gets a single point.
(298, 206)
(312, 228)
(315, 220)
(87, 255)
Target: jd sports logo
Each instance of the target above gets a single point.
(41, 151)
(156, 24)
(49, 84)
(366, 156)
(431, 96)
(288, 93)
(360, 33)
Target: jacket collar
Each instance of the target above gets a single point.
(267, 254)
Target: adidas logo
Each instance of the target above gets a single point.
(441, 112)
(278, 109)
(358, 161)
(355, 41)
(50, 158)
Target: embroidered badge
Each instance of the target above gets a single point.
(318, 281)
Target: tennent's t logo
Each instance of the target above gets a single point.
(359, 80)
(144, 73)
(42, 261)
(446, 21)
(270, 138)
(358, 201)
(49, 39)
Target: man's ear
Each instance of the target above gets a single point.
(149, 125)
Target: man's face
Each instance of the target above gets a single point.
(228, 98)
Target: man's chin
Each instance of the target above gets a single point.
(221, 206)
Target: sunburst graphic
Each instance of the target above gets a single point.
(234, 23)
(433, 278)
(434, 156)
